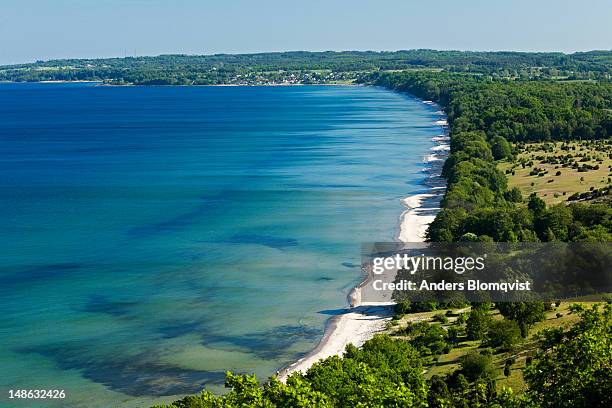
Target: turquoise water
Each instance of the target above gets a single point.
(154, 237)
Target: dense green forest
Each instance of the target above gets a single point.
(309, 67)
(566, 366)
(483, 117)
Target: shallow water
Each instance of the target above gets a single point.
(154, 237)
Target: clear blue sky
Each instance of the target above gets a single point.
(44, 29)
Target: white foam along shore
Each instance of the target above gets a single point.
(361, 321)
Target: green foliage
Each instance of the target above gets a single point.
(462, 318)
(428, 339)
(245, 391)
(441, 318)
(384, 372)
(423, 306)
(482, 306)
(477, 366)
(525, 314)
(503, 334)
(573, 368)
(536, 205)
(402, 307)
(514, 195)
(500, 148)
(477, 324)
(456, 391)
(454, 333)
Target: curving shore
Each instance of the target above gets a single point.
(361, 321)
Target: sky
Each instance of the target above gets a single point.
(49, 29)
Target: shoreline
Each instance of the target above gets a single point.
(360, 321)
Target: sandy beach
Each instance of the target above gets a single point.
(355, 325)
(416, 219)
(361, 321)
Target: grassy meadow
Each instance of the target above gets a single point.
(557, 171)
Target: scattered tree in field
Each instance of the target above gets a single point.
(477, 324)
(525, 314)
(476, 365)
(503, 334)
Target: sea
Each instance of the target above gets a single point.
(153, 238)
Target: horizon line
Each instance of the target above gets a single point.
(297, 51)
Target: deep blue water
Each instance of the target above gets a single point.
(153, 237)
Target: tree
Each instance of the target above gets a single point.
(514, 195)
(402, 307)
(504, 334)
(475, 365)
(482, 306)
(573, 368)
(427, 338)
(525, 314)
(462, 318)
(441, 318)
(439, 394)
(536, 205)
(507, 370)
(349, 382)
(500, 148)
(454, 332)
(557, 219)
(245, 391)
(477, 324)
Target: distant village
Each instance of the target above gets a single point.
(292, 78)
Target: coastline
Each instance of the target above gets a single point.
(361, 321)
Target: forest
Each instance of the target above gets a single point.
(511, 355)
(309, 67)
(485, 117)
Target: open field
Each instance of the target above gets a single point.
(556, 171)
